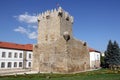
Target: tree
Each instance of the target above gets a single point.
(112, 55)
(108, 54)
(102, 61)
(116, 52)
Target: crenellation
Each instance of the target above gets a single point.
(60, 9)
(52, 11)
(72, 19)
(66, 14)
(55, 12)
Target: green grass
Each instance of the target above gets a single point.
(103, 74)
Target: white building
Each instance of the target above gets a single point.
(14, 56)
(94, 58)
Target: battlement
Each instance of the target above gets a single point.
(54, 13)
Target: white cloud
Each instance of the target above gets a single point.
(29, 33)
(31, 29)
(32, 35)
(32, 26)
(27, 18)
(21, 30)
(35, 27)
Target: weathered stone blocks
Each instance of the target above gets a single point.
(56, 52)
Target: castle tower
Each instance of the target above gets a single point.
(57, 50)
(52, 24)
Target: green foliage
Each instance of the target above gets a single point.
(116, 52)
(112, 55)
(102, 61)
(102, 74)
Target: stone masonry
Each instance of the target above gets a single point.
(57, 51)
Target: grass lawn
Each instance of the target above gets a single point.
(102, 74)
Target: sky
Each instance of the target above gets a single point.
(95, 21)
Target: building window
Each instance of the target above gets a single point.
(30, 56)
(9, 55)
(20, 64)
(15, 55)
(9, 65)
(20, 56)
(47, 17)
(67, 18)
(15, 64)
(3, 54)
(60, 14)
(3, 65)
(29, 64)
(97, 57)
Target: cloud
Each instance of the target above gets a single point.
(29, 33)
(27, 18)
(32, 35)
(31, 29)
(21, 30)
(32, 26)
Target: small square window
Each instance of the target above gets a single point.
(9, 65)
(67, 18)
(15, 64)
(29, 64)
(30, 56)
(60, 14)
(20, 56)
(47, 17)
(15, 55)
(3, 54)
(3, 65)
(20, 64)
(9, 55)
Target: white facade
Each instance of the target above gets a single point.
(94, 59)
(12, 59)
(29, 59)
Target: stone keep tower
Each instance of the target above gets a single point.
(52, 25)
(57, 50)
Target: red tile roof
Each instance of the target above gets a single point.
(91, 50)
(8, 45)
(26, 47)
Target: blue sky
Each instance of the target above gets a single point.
(95, 21)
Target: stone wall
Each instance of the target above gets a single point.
(61, 56)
